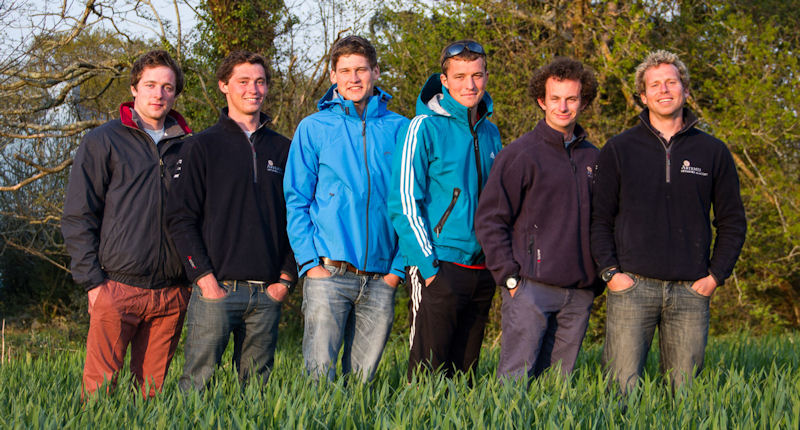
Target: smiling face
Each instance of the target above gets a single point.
(664, 93)
(354, 78)
(154, 95)
(245, 90)
(466, 80)
(561, 104)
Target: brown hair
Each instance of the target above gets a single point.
(465, 55)
(156, 58)
(225, 68)
(564, 68)
(351, 45)
(655, 59)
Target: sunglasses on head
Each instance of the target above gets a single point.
(459, 47)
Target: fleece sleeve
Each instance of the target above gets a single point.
(406, 202)
(498, 209)
(605, 206)
(83, 210)
(299, 188)
(185, 211)
(729, 217)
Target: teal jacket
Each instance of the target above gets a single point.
(442, 162)
(337, 183)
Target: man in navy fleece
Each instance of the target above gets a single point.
(533, 223)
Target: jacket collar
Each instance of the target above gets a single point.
(174, 124)
(554, 137)
(689, 121)
(434, 99)
(376, 105)
(230, 125)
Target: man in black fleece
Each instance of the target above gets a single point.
(533, 224)
(228, 219)
(655, 185)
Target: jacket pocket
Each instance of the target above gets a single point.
(440, 225)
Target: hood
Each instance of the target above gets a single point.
(376, 106)
(129, 118)
(434, 99)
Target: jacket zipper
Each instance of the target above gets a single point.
(369, 180)
(255, 160)
(477, 158)
(440, 224)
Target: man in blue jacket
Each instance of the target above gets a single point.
(443, 161)
(336, 187)
(533, 222)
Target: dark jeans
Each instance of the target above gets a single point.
(681, 315)
(247, 311)
(542, 325)
(448, 318)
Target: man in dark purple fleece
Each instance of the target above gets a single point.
(533, 223)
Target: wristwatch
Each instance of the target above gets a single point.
(609, 273)
(512, 282)
(288, 284)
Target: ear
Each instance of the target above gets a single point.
(223, 87)
(133, 91)
(541, 104)
(443, 78)
(376, 71)
(643, 99)
(333, 76)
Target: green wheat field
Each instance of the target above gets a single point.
(748, 383)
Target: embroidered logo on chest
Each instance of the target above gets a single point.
(271, 167)
(687, 168)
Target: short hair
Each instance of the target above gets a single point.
(656, 58)
(465, 55)
(354, 45)
(564, 68)
(156, 58)
(225, 68)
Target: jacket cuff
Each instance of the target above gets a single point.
(720, 282)
(197, 278)
(304, 266)
(429, 269)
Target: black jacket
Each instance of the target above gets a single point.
(534, 213)
(653, 200)
(113, 221)
(227, 212)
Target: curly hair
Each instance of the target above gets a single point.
(156, 58)
(655, 59)
(225, 69)
(560, 69)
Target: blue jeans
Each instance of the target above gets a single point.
(247, 311)
(542, 325)
(346, 309)
(681, 315)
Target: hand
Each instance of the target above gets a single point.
(391, 279)
(428, 281)
(210, 287)
(318, 272)
(278, 291)
(705, 286)
(93, 293)
(619, 282)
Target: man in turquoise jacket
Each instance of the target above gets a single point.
(336, 186)
(443, 161)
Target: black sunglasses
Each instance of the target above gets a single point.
(459, 47)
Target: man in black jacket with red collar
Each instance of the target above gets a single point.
(228, 217)
(533, 224)
(655, 186)
(115, 230)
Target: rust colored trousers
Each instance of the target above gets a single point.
(150, 320)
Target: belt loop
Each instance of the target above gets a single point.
(234, 285)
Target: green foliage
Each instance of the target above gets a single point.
(748, 383)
